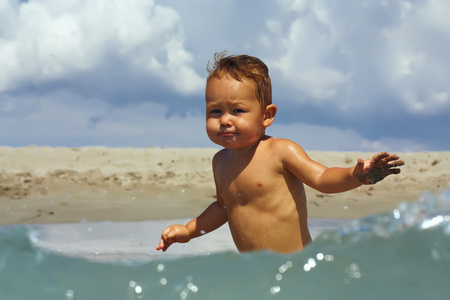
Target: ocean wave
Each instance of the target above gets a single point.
(404, 254)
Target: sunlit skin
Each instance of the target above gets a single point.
(260, 179)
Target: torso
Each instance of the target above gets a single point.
(266, 204)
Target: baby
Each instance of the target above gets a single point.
(260, 179)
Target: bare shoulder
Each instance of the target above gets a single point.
(285, 147)
(291, 154)
(280, 142)
(219, 156)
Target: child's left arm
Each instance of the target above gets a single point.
(337, 180)
(381, 165)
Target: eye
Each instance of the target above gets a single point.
(215, 111)
(238, 110)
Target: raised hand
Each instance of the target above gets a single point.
(377, 168)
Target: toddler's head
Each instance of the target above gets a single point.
(244, 66)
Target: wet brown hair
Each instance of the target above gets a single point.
(239, 66)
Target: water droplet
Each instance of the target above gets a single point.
(160, 268)
(192, 287)
(138, 289)
(183, 294)
(435, 254)
(309, 265)
(354, 271)
(70, 295)
(275, 290)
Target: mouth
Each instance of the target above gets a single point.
(227, 134)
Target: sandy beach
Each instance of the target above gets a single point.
(92, 184)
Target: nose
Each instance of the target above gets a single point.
(225, 120)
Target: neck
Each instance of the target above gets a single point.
(249, 150)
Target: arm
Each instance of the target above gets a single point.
(335, 180)
(212, 218)
(381, 165)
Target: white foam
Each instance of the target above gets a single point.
(137, 240)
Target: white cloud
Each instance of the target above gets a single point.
(435, 14)
(305, 48)
(354, 53)
(299, 6)
(417, 57)
(274, 26)
(49, 41)
(322, 83)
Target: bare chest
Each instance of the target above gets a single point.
(242, 183)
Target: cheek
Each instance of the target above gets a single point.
(210, 126)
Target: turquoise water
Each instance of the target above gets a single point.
(404, 254)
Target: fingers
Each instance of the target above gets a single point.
(360, 162)
(166, 245)
(165, 240)
(173, 234)
(386, 159)
(394, 171)
(163, 245)
(396, 163)
(391, 166)
(377, 158)
(160, 245)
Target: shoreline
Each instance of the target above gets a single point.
(94, 184)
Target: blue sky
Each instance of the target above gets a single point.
(346, 75)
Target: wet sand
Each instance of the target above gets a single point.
(70, 185)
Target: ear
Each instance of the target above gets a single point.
(269, 115)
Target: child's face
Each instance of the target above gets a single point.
(234, 118)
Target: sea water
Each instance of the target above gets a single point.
(404, 254)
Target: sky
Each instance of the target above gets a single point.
(347, 75)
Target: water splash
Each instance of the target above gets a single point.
(404, 254)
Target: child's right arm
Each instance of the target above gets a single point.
(212, 218)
